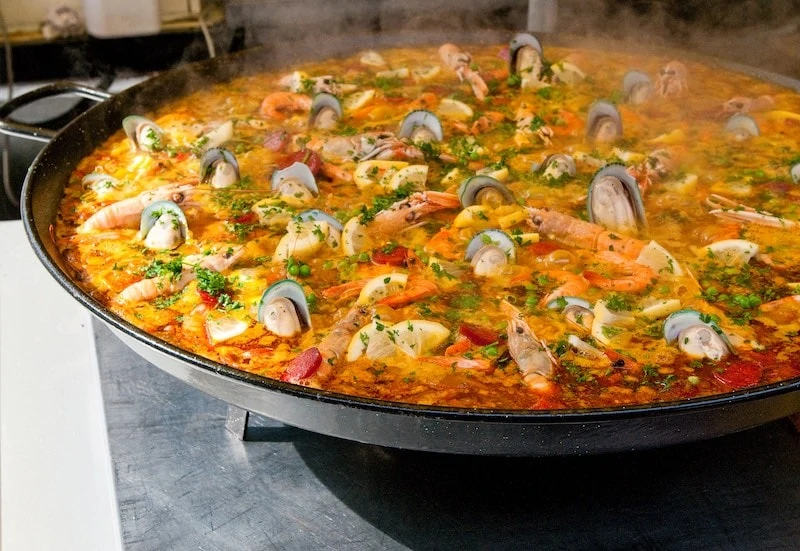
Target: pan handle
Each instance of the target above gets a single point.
(13, 128)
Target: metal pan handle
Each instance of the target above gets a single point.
(13, 128)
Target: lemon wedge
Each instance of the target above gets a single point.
(371, 341)
(658, 259)
(659, 308)
(425, 72)
(454, 110)
(302, 240)
(357, 100)
(402, 72)
(355, 238)
(419, 337)
(381, 287)
(731, 252)
(412, 177)
(474, 216)
(372, 172)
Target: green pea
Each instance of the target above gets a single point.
(305, 270)
(293, 269)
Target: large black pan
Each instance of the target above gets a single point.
(439, 429)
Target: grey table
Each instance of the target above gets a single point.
(185, 482)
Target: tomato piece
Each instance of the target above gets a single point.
(478, 335)
(306, 156)
(398, 256)
(303, 366)
(741, 372)
(246, 218)
(208, 298)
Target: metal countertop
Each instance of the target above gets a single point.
(184, 482)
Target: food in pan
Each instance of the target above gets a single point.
(499, 226)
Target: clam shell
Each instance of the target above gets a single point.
(614, 201)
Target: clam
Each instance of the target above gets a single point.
(604, 123)
(326, 112)
(696, 336)
(484, 190)
(283, 309)
(577, 311)
(335, 227)
(100, 183)
(742, 127)
(219, 167)
(525, 59)
(295, 184)
(421, 126)
(614, 201)
(556, 166)
(795, 172)
(489, 251)
(163, 226)
(143, 133)
(637, 88)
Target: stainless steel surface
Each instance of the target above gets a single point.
(542, 16)
(184, 482)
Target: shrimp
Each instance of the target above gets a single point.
(127, 213)
(741, 104)
(534, 359)
(414, 290)
(529, 124)
(406, 213)
(672, 80)
(334, 344)
(634, 277)
(150, 288)
(461, 362)
(572, 232)
(783, 310)
(570, 285)
(728, 209)
(279, 105)
(460, 62)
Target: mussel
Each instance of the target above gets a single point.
(525, 60)
(326, 112)
(144, 134)
(604, 123)
(614, 201)
(421, 126)
(283, 309)
(696, 335)
(637, 88)
(556, 166)
(335, 227)
(295, 184)
(100, 183)
(484, 190)
(163, 226)
(742, 127)
(795, 172)
(219, 167)
(489, 251)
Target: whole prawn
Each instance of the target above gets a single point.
(406, 213)
(534, 359)
(461, 62)
(127, 213)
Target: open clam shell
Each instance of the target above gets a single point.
(696, 336)
(143, 133)
(489, 251)
(555, 166)
(219, 168)
(614, 201)
(163, 226)
(295, 182)
(421, 126)
(742, 127)
(484, 190)
(326, 111)
(637, 88)
(604, 123)
(283, 309)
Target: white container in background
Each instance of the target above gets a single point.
(119, 18)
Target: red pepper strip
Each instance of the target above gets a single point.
(478, 335)
(740, 373)
(397, 257)
(303, 366)
(305, 156)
